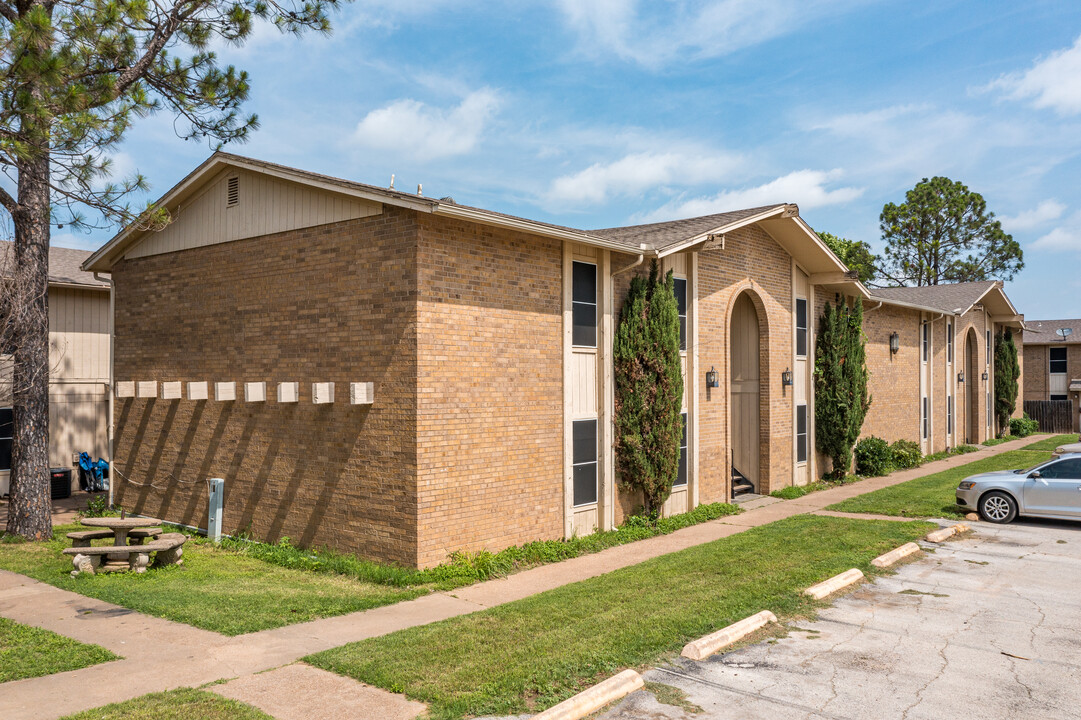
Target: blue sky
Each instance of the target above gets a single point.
(613, 112)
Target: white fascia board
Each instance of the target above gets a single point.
(723, 229)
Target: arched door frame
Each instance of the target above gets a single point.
(755, 293)
(972, 386)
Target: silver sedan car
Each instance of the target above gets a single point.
(1048, 490)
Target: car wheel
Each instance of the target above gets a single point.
(998, 507)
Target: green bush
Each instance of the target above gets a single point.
(1023, 426)
(873, 457)
(906, 454)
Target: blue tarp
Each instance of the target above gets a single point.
(93, 474)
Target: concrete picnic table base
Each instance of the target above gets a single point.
(120, 528)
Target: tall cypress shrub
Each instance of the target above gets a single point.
(648, 388)
(1007, 371)
(841, 399)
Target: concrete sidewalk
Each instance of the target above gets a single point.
(160, 654)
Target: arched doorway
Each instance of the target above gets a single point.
(744, 349)
(972, 388)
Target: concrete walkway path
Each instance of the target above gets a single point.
(161, 655)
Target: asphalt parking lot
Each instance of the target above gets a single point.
(988, 626)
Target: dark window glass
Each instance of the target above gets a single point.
(1058, 360)
(949, 342)
(926, 341)
(988, 343)
(801, 433)
(680, 291)
(1060, 397)
(681, 475)
(801, 327)
(584, 457)
(7, 429)
(926, 419)
(949, 415)
(584, 305)
(1063, 470)
(989, 421)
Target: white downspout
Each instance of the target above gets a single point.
(109, 388)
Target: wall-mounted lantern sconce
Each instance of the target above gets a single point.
(711, 378)
(895, 343)
(961, 376)
(786, 377)
(983, 377)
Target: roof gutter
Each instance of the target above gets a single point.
(781, 210)
(914, 306)
(636, 263)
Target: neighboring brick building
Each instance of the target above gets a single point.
(469, 354)
(937, 387)
(1053, 363)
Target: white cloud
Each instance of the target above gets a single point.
(1066, 237)
(1042, 214)
(412, 128)
(652, 33)
(807, 188)
(640, 172)
(1051, 82)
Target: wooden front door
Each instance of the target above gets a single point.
(745, 390)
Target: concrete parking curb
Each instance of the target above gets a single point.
(594, 698)
(703, 647)
(835, 583)
(939, 535)
(887, 559)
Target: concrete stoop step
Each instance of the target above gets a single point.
(303, 692)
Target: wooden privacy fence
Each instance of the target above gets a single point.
(1054, 416)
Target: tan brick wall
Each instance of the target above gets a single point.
(334, 303)
(894, 378)
(490, 408)
(1036, 380)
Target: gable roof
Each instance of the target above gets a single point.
(781, 221)
(952, 298)
(65, 266)
(1043, 331)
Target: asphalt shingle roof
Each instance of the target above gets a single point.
(945, 298)
(64, 265)
(663, 234)
(1043, 331)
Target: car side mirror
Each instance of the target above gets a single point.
(1035, 475)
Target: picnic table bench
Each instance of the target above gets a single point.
(111, 558)
(83, 538)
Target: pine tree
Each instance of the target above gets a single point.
(841, 399)
(648, 389)
(77, 74)
(1007, 371)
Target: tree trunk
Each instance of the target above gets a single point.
(30, 511)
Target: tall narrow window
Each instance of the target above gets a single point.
(926, 341)
(949, 414)
(584, 305)
(681, 474)
(926, 418)
(680, 290)
(988, 347)
(801, 327)
(801, 433)
(989, 421)
(585, 462)
(949, 342)
(7, 429)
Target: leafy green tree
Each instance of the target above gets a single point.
(856, 254)
(943, 233)
(841, 399)
(76, 75)
(648, 388)
(1007, 372)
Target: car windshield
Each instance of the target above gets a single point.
(1034, 467)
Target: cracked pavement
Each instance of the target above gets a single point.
(986, 626)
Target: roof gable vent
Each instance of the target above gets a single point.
(232, 192)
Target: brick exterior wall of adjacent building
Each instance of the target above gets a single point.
(1036, 378)
(490, 416)
(334, 303)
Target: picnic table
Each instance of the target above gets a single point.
(120, 555)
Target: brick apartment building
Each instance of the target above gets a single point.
(402, 377)
(1053, 363)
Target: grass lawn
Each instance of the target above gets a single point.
(27, 652)
(182, 704)
(933, 495)
(535, 652)
(214, 589)
(1052, 442)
